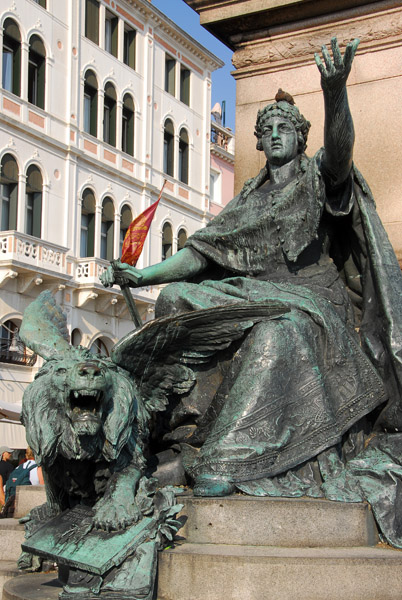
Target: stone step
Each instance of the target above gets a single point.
(11, 535)
(290, 522)
(217, 572)
(27, 497)
(8, 569)
(233, 572)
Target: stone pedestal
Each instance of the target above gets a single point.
(244, 548)
(27, 497)
(274, 44)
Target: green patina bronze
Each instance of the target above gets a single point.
(309, 402)
(87, 421)
(104, 520)
(273, 368)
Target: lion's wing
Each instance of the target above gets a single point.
(44, 327)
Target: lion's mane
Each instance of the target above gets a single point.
(50, 432)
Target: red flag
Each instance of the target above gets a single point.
(137, 232)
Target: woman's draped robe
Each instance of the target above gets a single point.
(292, 403)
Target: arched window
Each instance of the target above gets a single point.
(76, 337)
(36, 72)
(167, 239)
(107, 229)
(87, 244)
(8, 192)
(127, 128)
(99, 347)
(33, 207)
(126, 216)
(183, 156)
(109, 115)
(168, 148)
(12, 349)
(11, 57)
(181, 239)
(90, 103)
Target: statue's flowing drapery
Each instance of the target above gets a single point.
(291, 409)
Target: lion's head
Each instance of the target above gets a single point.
(80, 405)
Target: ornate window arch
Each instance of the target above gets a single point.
(168, 148)
(76, 337)
(36, 71)
(87, 239)
(126, 216)
(127, 126)
(11, 80)
(100, 346)
(167, 240)
(109, 114)
(107, 229)
(90, 103)
(181, 238)
(8, 193)
(33, 201)
(183, 155)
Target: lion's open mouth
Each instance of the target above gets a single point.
(86, 405)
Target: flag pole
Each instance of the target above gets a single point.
(124, 283)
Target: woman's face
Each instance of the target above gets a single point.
(279, 141)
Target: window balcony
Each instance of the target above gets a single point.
(88, 270)
(14, 352)
(24, 254)
(222, 141)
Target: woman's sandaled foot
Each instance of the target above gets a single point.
(211, 485)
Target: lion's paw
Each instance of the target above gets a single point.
(113, 516)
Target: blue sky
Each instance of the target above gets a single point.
(223, 84)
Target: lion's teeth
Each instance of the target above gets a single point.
(76, 394)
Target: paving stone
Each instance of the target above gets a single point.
(8, 569)
(33, 586)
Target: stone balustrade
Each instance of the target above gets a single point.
(32, 252)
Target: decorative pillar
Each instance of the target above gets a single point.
(116, 242)
(24, 69)
(21, 206)
(119, 119)
(98, 221)
(101, 100)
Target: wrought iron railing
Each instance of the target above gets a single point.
(15, 352)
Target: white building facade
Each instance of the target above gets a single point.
(101, 100)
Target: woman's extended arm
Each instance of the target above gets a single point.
(339, 133)
(183, 265)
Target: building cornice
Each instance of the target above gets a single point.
(173, 32)
(222, 153)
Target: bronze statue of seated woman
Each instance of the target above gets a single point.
(299, 396)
